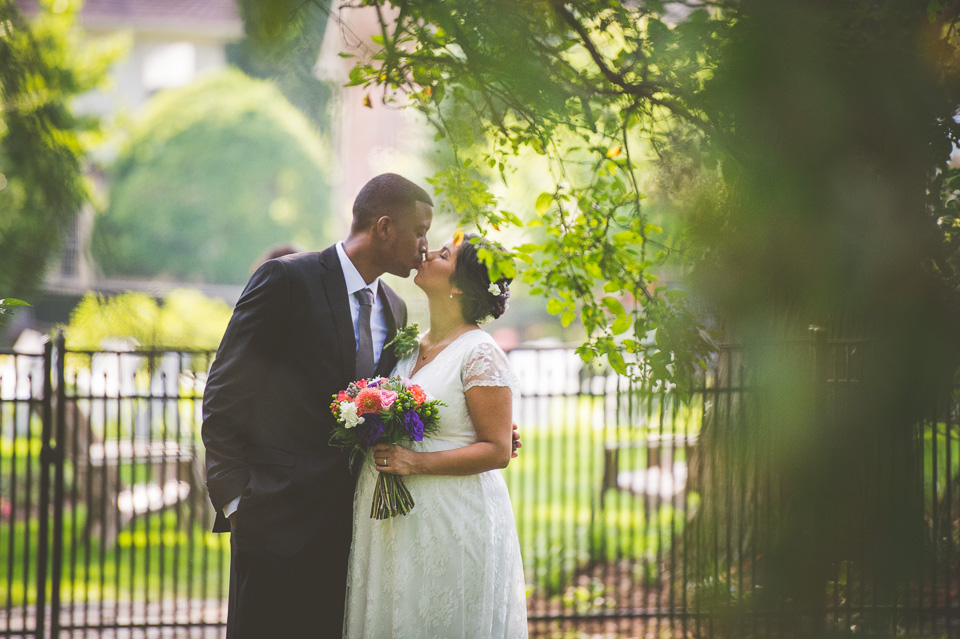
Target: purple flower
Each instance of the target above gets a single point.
(414, 425)
(371, 428)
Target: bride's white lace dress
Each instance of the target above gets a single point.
(450, 568)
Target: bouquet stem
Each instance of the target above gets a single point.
(390, 497)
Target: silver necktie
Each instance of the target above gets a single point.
(365, 365)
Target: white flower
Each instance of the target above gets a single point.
(348, 413)
(494, 288)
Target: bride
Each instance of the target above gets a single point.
(450, 568)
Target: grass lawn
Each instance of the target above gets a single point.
(555, 485)
(150, 559)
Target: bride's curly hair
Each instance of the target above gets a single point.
(471, 276)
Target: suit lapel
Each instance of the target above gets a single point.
(394, 315)
(339, 303)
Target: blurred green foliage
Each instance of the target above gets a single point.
(6, 306)
(281, 43)
(802, 150)
(593, 89)
(44, 64)
(185, 318)
(830, 206)
(213, 176)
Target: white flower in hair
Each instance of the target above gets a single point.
(494, 288)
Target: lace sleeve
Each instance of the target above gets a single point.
(487, 365)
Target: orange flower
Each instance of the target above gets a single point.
(343, 397)
(417, 393)
(368, 401)
(458, 237)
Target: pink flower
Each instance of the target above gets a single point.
(387, 397)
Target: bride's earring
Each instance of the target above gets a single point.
(451, 295)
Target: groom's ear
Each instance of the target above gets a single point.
(383, 227)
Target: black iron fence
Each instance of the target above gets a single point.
(104, 518)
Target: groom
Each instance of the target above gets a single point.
(305, 326)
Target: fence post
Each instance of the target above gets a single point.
(821, 372)
(56, 564)
(44, 501)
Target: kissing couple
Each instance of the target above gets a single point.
(307, 560)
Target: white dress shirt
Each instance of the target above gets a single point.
(378, 320)
(378, 323)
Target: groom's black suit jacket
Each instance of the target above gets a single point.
(288, 349)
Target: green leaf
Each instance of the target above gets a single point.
(528, 248)
(554, 306)
(617, 362)
(357, 77)
(544, 200)
(567, 318)
(512, 218)
(628, 237)
(12, 302)
(622, 324)
(614, 306)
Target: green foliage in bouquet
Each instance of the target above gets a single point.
(383, 411)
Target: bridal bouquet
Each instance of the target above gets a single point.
(391, 411)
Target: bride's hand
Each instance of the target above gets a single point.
(395, 460)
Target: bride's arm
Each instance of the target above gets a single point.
(491, 411)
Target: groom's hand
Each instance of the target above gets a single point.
(517, 444)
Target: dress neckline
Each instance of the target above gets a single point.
(415, 370)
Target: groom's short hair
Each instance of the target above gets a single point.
(383, 195)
